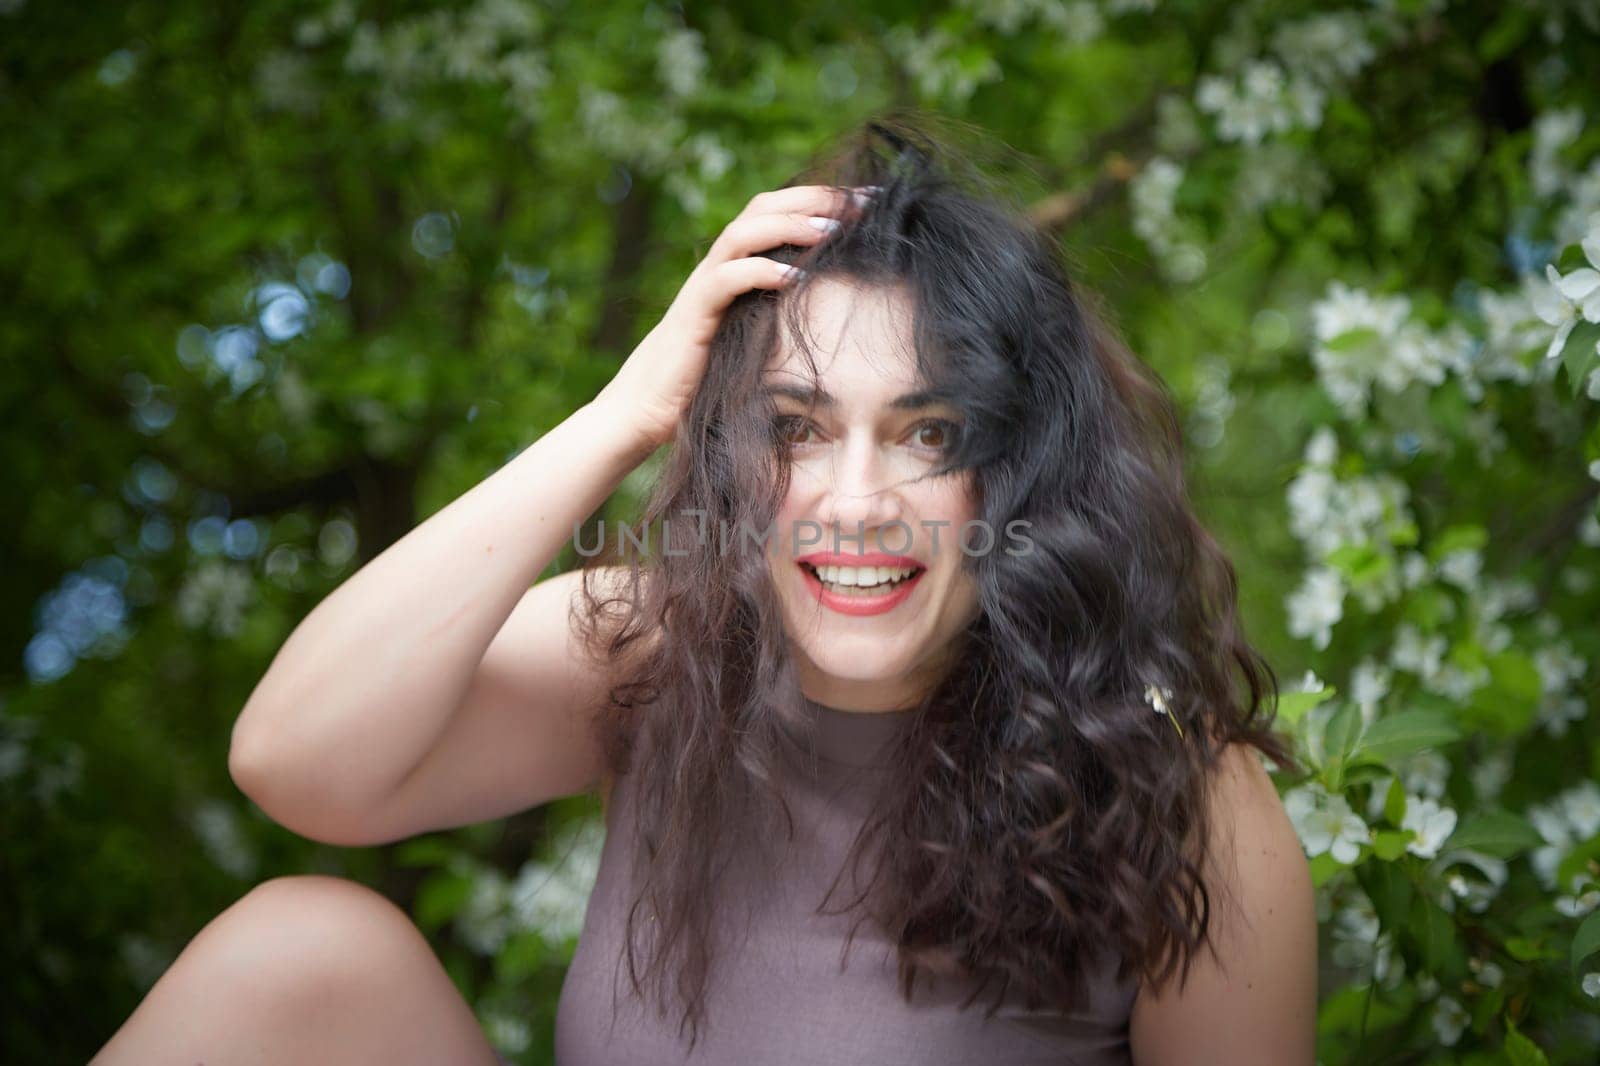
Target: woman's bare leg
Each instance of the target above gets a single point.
(303, 969)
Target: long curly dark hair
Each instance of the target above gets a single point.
(1039, 812)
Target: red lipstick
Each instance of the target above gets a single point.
(859, 605)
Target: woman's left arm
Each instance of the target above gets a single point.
(1258, 1004)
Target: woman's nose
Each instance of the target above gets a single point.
(859, 493)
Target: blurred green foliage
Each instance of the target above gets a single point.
(285, 278)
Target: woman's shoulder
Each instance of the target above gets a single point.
(1264, 924)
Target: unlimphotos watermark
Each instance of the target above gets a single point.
(974, 538)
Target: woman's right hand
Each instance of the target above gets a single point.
(652, 390)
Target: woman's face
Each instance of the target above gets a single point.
(867, 637)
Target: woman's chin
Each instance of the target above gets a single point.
(861, 662)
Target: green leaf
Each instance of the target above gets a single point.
(1433, 932)
(1578, 357)
(1396, 736)
(1428, 607)
(1389, 888)
(1577, 860)
(1457, 538)
(1507, 32)
(1390, 844)
(1348, 1011)
(1520, 1050)
(1351, 338)
(1361, 770)
(425, 851)
(1360, 563)
(1527, 949)
(441, 898)
(1323, 867)
(1507, 704)
(523, 955)
(1498, 833)
(1587, 942)
(1339, 739)
(1292, 706)
(1394, 803)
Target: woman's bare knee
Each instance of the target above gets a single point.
(301, 965)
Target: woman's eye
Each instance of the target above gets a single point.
(792, 429)
(935, 433)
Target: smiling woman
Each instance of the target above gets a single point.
(980, 563)
(952, 717)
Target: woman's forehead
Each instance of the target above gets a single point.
(860, 335)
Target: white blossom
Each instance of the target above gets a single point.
(1581, 805)
(1461, 568)
(1078, 22)
(1589, 530)
(1414, 569)
(1369, 684)
(1419, 654)
(223, 839)
(1449, 1020)
(1582, 286)
(482, 922)
(932, 59)
(216, 593)
(1576, 906)
(1328, 47)
(1591, 984)
(1316, 606)
(1425, 773)
(681, 61)
(1432, 823)
(1359, 945)
(1567, 819)
(1364, 340)
(1489, 975)
(1265, 100)
(1558, 668)
(1457, 683)
(507, 1032)
(1322, 447)
(1490, 774)
(1552, 132)
(551, 897)
(1325, 823)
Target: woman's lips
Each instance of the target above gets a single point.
(859, 605)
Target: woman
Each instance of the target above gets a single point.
(915, 723)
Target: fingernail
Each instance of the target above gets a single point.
(792, 271)
(824, 224)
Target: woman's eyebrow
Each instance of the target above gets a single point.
(820, 397)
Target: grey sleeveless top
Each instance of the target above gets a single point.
(779, 995)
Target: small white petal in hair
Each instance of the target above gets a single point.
(1157, 696)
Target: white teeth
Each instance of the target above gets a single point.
(863, 577)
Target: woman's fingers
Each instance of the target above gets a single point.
(722, 283)
(801, 215)
(747, 235)
(804, 200)
(784, 216)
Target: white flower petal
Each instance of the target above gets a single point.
(1559, 341)
(1578, 285)
(1591, 248)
